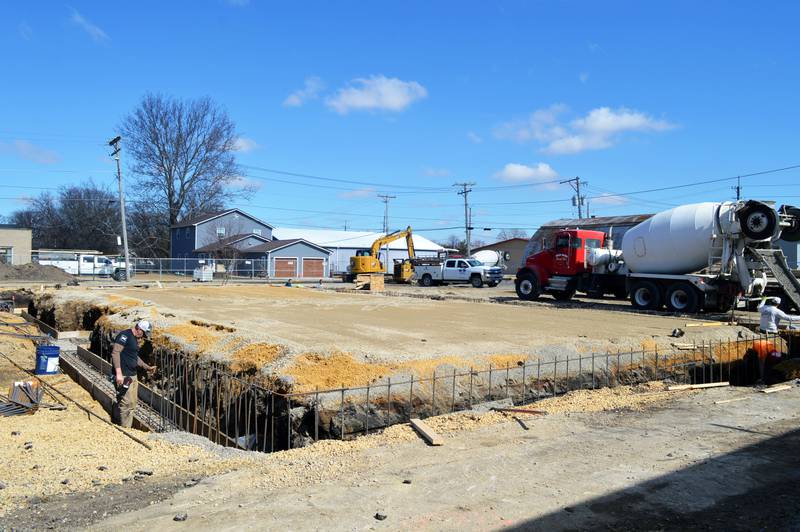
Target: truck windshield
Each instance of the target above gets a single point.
(473, 262)
(592, 243)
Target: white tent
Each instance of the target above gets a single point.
(344, 244)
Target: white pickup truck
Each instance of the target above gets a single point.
(429, 273)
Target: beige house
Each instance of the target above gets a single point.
(514, 247)
(15, 244)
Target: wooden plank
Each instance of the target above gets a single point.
(521, 411)
(426, 432)
(49, 331)
(710, 324)
(73, 334)
(779, 388)
(697, 386)
(731, 400)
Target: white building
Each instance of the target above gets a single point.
(344, 244)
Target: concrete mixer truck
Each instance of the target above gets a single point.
(702, 256)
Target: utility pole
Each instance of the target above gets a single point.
(738, 188)
(465, 190)
(114, 143)
(345, 225)
(385, 199)
(577, 200)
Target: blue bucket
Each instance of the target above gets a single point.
(47, 359)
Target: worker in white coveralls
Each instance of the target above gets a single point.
(125, 360)
(771, 315)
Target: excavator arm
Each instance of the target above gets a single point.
(397, 235)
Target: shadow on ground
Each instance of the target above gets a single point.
(754, 488)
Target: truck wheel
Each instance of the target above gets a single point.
(528, 287)
(758, 221)
(682, 297)
(426, 280)
(791, 234)
(645, 296)
(476, 281)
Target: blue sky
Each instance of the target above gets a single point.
(411, 97)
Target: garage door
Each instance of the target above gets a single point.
(313, 268)
(285, 267)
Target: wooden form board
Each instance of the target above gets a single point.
(697, 386)
(426, 432)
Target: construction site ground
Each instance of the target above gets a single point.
(300, 331)
(639, 458)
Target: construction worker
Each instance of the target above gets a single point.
(125, 360)
(771, 315)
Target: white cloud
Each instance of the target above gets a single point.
(358, 193)
(521, 173)
(593, 47)
(95, 32)
(310, 91)
(29, 151)
(474, 137)
(436, 172)
(376, 93)
(609, 199)
(244, 144)
(583, 77)
(25, 31)
(599, 129)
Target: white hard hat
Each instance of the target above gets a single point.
(776, 301)
(144, 326)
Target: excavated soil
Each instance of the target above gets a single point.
(34, 272)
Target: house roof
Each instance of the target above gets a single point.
(208, 216)
(499, 242)
(597, 221)
(350, 239)
(268, 247)
(225, 242)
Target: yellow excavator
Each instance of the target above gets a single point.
(368, 261)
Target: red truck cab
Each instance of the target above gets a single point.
(559, 267)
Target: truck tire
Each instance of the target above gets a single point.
(683, 297)
(528, 287)
(492, 284)
(427, 280)
(758, 221)
(476, 281)
(645, 295)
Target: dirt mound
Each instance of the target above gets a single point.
(33, 272)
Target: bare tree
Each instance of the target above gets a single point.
(182, 154)
(508, 234)
(82, 216)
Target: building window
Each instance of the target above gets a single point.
(220, 231)
(188, 232)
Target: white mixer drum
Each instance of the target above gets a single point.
(676, 241)
(488, 257)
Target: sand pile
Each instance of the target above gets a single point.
(33, 272)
